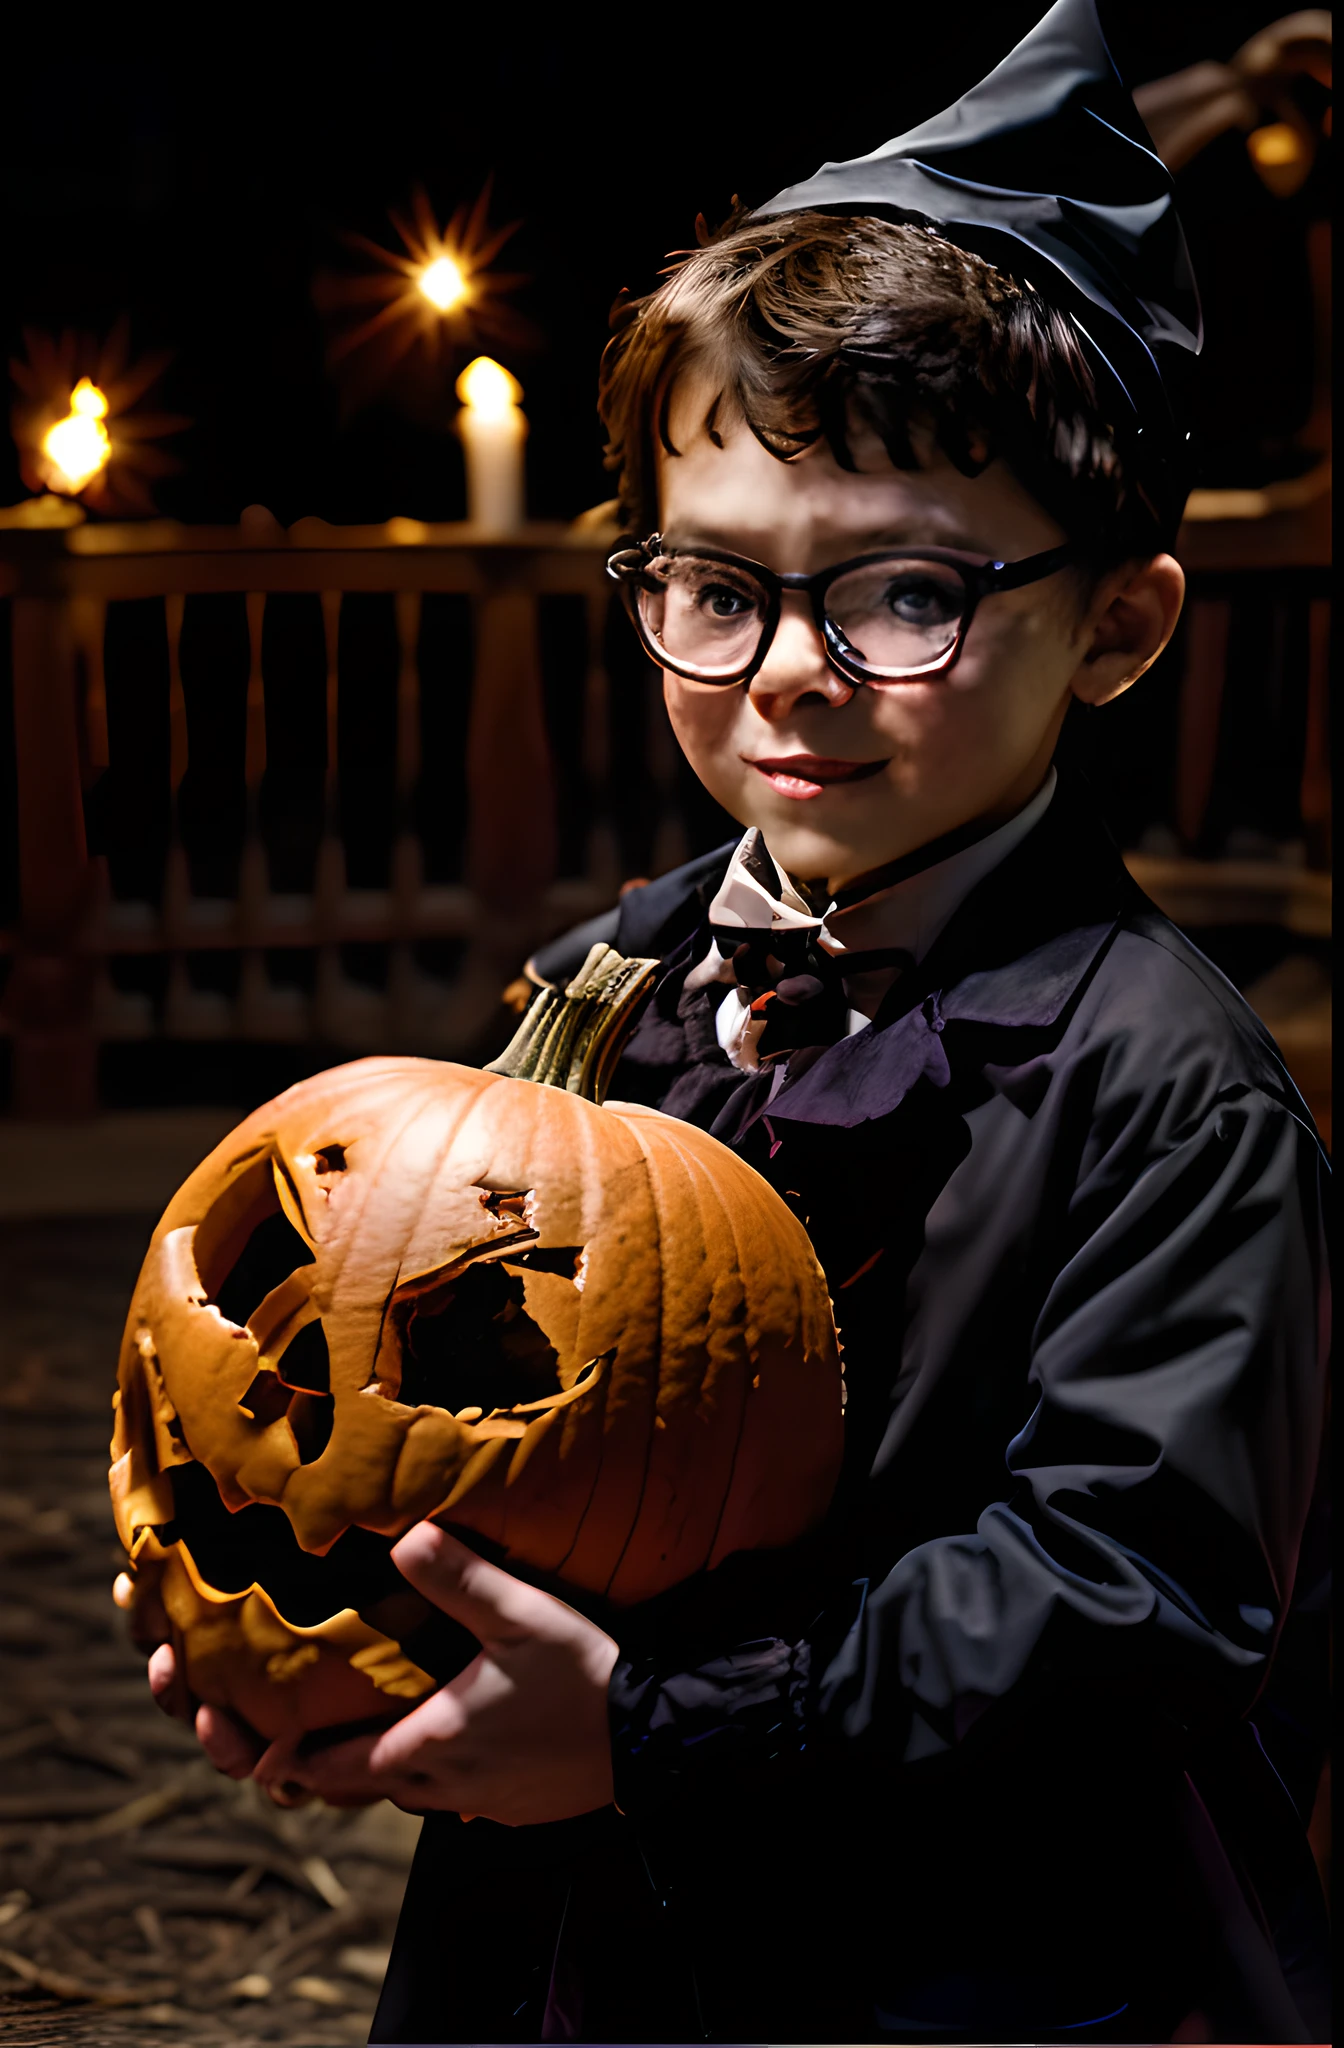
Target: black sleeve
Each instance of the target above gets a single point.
(1148, 1532)
(556, 963)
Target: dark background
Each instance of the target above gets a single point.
(199, 181)
(198, 177)
(194, 170)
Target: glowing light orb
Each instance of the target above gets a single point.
(1275, 144)
(1282, 156)
(443, 284)
(432, 301)
(78, 448)
(488, 390)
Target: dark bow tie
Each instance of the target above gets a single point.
(800, 984)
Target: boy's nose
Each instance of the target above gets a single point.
(796, 666)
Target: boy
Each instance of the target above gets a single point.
(972, 1765)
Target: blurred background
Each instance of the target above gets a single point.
(315, 718)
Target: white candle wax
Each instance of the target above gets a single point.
(493, 428)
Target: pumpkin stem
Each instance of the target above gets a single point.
(574, 1040)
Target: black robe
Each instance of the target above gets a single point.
(1023, 1743)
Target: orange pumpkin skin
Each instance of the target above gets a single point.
(634, 1322)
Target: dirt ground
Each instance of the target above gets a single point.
(143, 1898)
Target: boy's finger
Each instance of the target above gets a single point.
(338, 1773)
(166, 1672)
(343, 1764)
(398, 1748)
(162, 1671)
(494, 1605)
(229, 1746)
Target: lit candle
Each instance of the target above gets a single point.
(77, 447)
(493, 429)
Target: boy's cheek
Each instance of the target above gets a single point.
(707, 725)
(952, 746)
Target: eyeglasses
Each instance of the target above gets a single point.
(883, 618)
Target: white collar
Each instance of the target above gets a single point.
(756, 894)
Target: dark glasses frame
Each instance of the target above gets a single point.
(628, 568)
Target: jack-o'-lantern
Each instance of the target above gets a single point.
(590, 1335)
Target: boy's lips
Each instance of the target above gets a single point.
(805, 775)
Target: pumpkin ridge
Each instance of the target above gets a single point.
(748, 1193)
(745, 1379)
(656, 1152)
(708, 1195)
(346, 1235)
(606, 1448)
(582, 1520)
(564, 1415)
(804, 1308)
(791, 1337)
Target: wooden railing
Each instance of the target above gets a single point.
(521, 824)
(60, 1000)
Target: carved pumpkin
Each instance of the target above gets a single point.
(590, 1335)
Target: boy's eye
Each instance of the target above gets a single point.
(723, 602)
(714, 594)
(922, 600)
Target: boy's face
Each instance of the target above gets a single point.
(843, 779)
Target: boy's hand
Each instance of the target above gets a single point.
(230, 1744)
(520, 1736)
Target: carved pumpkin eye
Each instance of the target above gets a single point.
(476, 1346)
(271, 1253)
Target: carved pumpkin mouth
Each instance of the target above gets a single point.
(462, 1338)
(234, 1550)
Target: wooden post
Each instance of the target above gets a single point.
(511, 846)
(1200, 713)
(1316, 793)
(511, 837)
(49, 1000)
(407, 873)
(261, 1010)
(602, 864)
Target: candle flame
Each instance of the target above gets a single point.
(78, 448)
(443, 284)
(487, 389)
(87, 400)
(70, 389)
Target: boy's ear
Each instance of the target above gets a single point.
(1129, 621)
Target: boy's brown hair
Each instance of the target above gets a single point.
(801, 323)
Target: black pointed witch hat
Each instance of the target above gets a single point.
(1046, 170)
